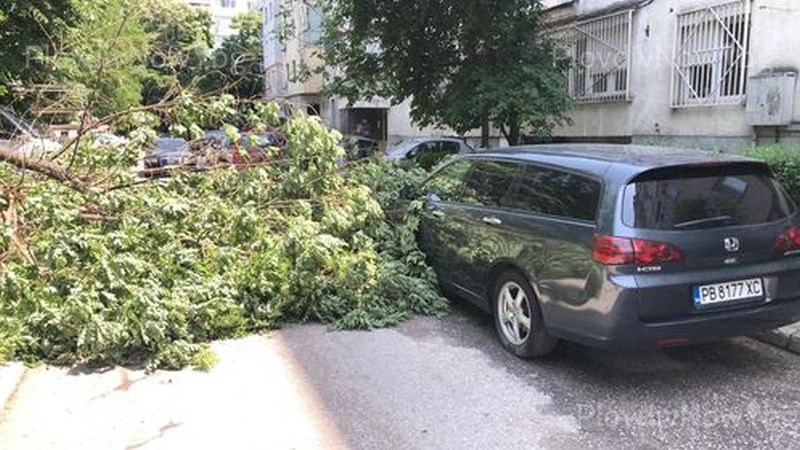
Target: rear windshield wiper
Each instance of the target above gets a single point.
(698, 222)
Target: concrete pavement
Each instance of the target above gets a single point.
(427, 384)
(11, 375)
(786, 338)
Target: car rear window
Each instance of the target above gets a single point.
(694, 198)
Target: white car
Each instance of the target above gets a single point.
(21, 137)
(427, 152)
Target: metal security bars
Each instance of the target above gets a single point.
(710, 55)
(600, 50)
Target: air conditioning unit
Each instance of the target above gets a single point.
(770, 98)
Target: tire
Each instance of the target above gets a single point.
(514, 305)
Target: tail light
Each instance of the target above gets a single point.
(617, 251)
(788, 240)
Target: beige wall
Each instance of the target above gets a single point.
(296, 52)
(774, 44)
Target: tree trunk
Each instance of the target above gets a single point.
(485, 132)
(513, 129)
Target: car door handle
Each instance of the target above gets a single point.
(492, 221)
(437, 213)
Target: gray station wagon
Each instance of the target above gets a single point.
(614, 246)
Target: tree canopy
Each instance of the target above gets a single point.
(26, 31)
(235, 67)
(463, 63)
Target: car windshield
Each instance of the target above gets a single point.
(170, 145)
(402, 148)
(15, 122)
(705, 199)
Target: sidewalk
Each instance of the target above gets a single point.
(11, 375)
(787, 338)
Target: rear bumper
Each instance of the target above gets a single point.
(634, 334)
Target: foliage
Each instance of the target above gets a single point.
(155, 270)
(462, 63)
(181, 46)
(26, 31)
(101, 55)
(785, 164)
(235, 67)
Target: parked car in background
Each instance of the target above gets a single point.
(427, 152)
(20, 136)
(359, 147)
(254, 148)
(615, 246)
(106, 139)
(168, 153)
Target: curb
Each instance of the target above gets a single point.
(11, 375)
(787, 338)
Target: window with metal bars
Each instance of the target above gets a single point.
(710, 58)
(600, 53)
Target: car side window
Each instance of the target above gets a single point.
(431, 154)
(489, 181)
(556, 193)
(450, 148)
(416, 151)
(448, 182)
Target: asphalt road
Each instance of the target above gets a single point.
(427, 384)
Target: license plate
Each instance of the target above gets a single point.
(712, 294)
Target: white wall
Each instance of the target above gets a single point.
(774, 43)
(223, 12)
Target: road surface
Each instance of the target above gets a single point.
(428, 384)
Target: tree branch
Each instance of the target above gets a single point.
(44, 167)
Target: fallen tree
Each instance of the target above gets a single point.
(100, 267)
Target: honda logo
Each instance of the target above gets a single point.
(732, 244)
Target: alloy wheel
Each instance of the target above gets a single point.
(514, 313)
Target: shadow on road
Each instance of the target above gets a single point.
(704, 394)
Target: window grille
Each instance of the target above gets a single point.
(600, 52)
(710, 55)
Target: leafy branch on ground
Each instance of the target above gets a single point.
(154, 271)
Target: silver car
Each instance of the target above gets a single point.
(427, 152)
(21, 137)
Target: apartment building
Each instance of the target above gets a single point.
(284, 61)
(223, 12)
(716, 74)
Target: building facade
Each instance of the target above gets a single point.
(715, 74)
(223, 12)
(285, 62)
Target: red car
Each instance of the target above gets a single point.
(252, 149)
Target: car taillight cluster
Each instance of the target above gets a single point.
(788, 240)
(618, 251)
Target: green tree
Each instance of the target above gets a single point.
(27, 31)
(464, 63)
(102, 56)
(235, 67)
(181, 46)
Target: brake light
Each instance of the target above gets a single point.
(617, 251)
(788, 240)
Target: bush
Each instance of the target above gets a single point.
(785, 164)
(153, 271)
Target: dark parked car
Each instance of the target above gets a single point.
(167, 153)
(427, 152)
(615, 246)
